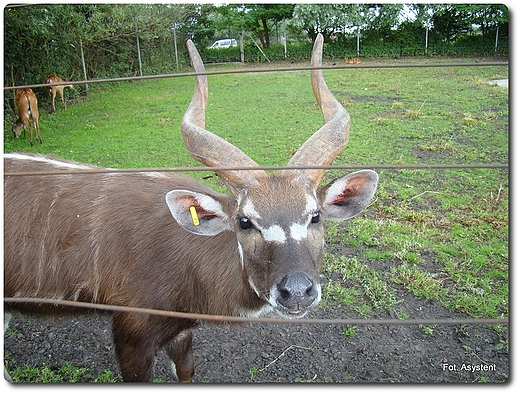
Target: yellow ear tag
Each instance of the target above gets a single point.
(194, 217)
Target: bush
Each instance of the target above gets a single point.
(348, 47)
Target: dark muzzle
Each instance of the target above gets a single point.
(296, 293)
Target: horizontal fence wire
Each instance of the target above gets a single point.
(240, 319)
(260, 70)
(95, 170)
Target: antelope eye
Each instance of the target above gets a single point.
(245, 223)
(315, 217)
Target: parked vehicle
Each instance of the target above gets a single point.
(224, 43)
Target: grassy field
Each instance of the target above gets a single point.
(439, 234)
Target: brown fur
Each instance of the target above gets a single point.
(352, 60)
(27, 105)
(111, 239)
(51, 90)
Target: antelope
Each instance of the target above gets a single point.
(51, 90)
(27, 104)
(353, 60)
(162, 241)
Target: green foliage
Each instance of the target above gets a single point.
(418, 282)
(50, 38)
(65, 374)
(106, 377)
(258, 19)
(325, 18)
(44, 39)
(370, 282)
(350, 331)
(348, 48)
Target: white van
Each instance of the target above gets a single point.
(224, 43)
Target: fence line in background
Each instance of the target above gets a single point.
(263, 70)
(265, 168)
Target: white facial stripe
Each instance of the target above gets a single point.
(241, 252)
(254, 288)
(311, 206)
(274, 234)
(249, 210)
(272, 296)
(298, 231)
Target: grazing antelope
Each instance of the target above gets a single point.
(51, 90)
(155, 240)
(27, 105)
(352, 60)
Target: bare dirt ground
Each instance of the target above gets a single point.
(262, 352)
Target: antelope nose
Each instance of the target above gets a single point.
(296, 292)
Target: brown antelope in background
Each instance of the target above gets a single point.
(352, 60)
(51, 90)
(27, 105)
(168, 242)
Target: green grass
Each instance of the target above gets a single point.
(65, 374)
(439, 235)
(373, 284)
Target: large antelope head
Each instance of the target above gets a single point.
(277, 218)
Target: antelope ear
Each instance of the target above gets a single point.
(197, 213)
(349, 195)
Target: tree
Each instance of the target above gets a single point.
(488, 17)
(38, 39)
(47, 39)
(201, 24)
(264, 18)
(259, 19)
(380, 20)
(334, 20)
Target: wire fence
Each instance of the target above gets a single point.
(239, 319)
(95, 170)
(264, 70)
